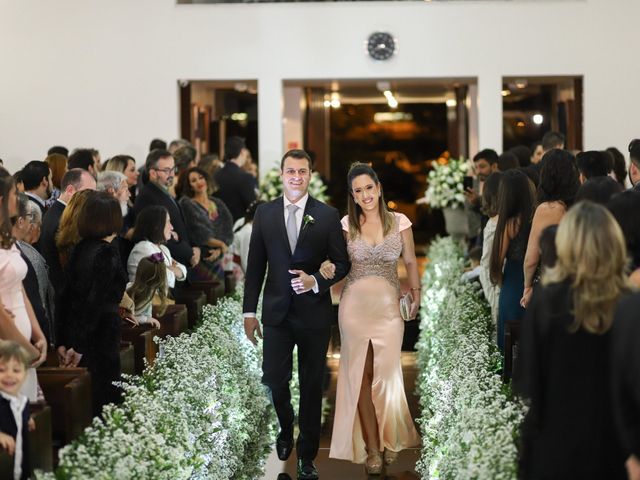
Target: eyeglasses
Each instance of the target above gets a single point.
(167, 170)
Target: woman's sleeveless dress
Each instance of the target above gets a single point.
(369, 312)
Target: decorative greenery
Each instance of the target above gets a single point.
(199, 412)
(271, 186)
(446, 187)
(469, 420)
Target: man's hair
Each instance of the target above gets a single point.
(72, 177)
(232, 148)
(59, 149)
(23, 204)
(634, 152)
(110, 179)
(33, 173)
(178, 142)
(34, 210)
(157, 144)
(594, 163)
(523, 153)
(552, 140)
(154, 156)
(298, 154)
(507, 161)
(81, 158)
(487, 154)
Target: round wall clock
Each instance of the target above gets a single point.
(381, 45)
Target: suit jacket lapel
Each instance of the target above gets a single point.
(308, 210)
(280, 222)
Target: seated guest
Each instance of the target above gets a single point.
(152, 230)
(593, 163)
(68, 235)
(625, 207)
(242, 235)
(89, 330)
(127, 165)
(58, 165)
(557, 189)
(565, 347)
(161, 169)
(598, 190)
(208, 220)
(490, 209)
(36, 177)
(236, 188)
(83, 158)
(149, 284)
(15, 423)
(36, 282)
(74, 180)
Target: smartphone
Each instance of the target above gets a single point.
(467, 182)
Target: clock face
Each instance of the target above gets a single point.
(381, 45)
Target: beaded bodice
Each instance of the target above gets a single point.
(379, 260)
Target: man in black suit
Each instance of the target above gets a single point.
(236, 188)
(292, 236)
(72, 181)
(36, 177)
(162, 170)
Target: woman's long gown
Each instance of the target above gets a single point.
(369, 313)
(13, 269)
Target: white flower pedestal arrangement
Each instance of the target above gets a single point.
(446, 192)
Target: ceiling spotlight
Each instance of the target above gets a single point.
(520, 124)
(327, 103)
(335, 103)
(538, 119)
(506, 92)
(521, 83)
(451, 102)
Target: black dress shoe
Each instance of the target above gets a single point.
(284, 446)
(307, 470)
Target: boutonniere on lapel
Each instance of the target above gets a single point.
(308, 220)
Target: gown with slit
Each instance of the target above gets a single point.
(369, 313)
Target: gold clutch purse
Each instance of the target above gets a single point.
(405, 306)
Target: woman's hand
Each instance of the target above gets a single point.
(526, 297)
(155, 323)
(327, 270)
(415, 305)
(215, 253)
(41, 345)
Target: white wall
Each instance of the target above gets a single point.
(103, 73)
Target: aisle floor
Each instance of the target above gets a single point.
(331, 469)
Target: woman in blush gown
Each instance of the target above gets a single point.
(372, 421)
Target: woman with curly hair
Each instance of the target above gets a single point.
(559, 184)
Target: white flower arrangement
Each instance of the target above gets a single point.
(199, 412)
(469, 419)
(271, 186)
(446, 188)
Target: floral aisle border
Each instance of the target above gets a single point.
(199, 412)
(469, 419)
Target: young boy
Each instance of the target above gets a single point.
(14, 408)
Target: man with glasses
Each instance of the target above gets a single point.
(161, 168)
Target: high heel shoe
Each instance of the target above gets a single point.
(374, 462)
(390, 457)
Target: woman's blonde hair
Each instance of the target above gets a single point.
(68, 235)
(592, 255)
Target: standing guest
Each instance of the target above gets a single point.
(536, 152)
(208, 220)
(557, 190)
(152, 230)
(177, 143)
(619, 166)
(634, 163)
(598, 190)
(523, 153)
(58, 165)
(157, 144)
(565, 349)
(36, 176)
(624, 208)
(242, 236)
(236, 188)
(490, 208)
(162, 170)
(150, 283)
(36, 282)
(296, 304)
(13, 269)
(95, 283)
(593, 163)
(68, 234)
(552, 140)
(59, 150)
(115, 184)
(485, 162)
(516, 204)
(185, 158)
(211, 164)
(15, 423)
(17, 177)
(127, 165)
(508, 161)
(83, 158)
(34, 215)
(97, 160)
(74, 180)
